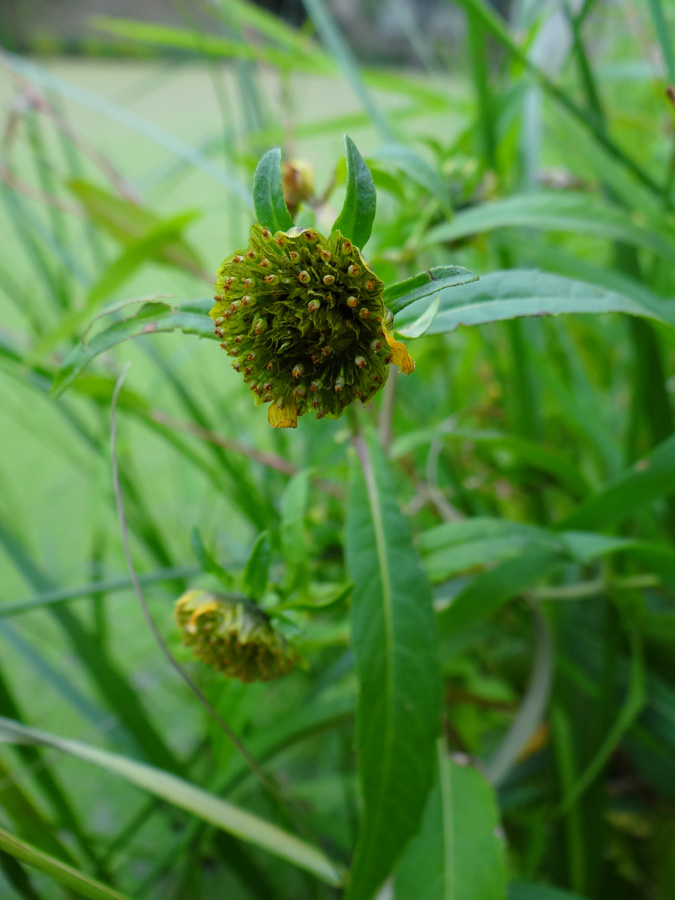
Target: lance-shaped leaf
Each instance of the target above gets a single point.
(397, 296)
(268, 193)
(394, 639)
(206, 806)
(457, 854)
(358, 213)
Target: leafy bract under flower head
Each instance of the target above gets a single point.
(233, 636)
(302, 316)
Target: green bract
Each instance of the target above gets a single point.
(233, 636)
(303, 318)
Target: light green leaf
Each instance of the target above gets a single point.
(511, 294)
(568, 211)
(356, 219)
(152, 318)
(129, 223)
(394, 639)
(56, 870)
(397, 296)
(180, 793)
(457, 854)
(418, 170)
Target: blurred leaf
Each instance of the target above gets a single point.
(635, 700)
(397, 296)
(152, 318)
(418, 170)
(257, 569)
(356, 218)
(394, 639)
(663, 36)
(457, 854)
(529, 453)
(56, 870)
(174, 790)
(523, 891)
(649, 479)
(268, 193)
(131, 224)
(508, 295)
(208, 562)
(492, 589)
(576, 212)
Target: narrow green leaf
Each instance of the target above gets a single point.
(356, 219)
(56, 870)
(153, 318)
(457, 854)
(180, 793)
(631, 708)
(268, 193)
(257, 569)
(397, 296)
(663, 36)
(569, 211)
(649, 479)
(489, 591)
(515, 293)
(394, 639)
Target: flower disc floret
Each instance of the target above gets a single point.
(303, 318)
(233, 636)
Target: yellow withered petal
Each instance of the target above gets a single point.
(283, 414)
(207, 607)
(399, 355)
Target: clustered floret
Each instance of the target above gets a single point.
(233, 636)
(303, 318)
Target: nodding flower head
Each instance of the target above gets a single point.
(303, 318)
(233, 636)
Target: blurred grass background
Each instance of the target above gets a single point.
(174, 129)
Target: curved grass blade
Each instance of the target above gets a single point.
(180, 793)
(394, 639)
(397, 296)
(356, 219)
(457, 854)
(56, 870)
(153, 317)
(268, 193)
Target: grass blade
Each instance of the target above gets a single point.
(56, 870)
(180, 793)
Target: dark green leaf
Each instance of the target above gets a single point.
(394, 639)
(355, 221)
(457, 854)
(268, 193)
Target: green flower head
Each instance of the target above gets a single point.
(303, 318)
(233, 636)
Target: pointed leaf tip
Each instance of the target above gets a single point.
(355, 221)
(268, 194)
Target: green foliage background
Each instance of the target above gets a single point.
(478, 568)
